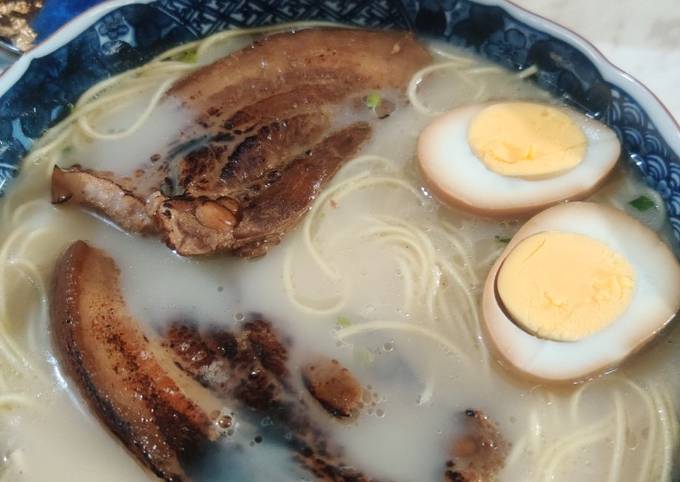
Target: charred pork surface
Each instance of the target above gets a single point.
(157, 413)
(333, 386)
(272, 124)
(163, 394)
(249, 366)
(479, 455)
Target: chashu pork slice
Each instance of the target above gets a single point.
(154, 409)
(154, 393)
(348, 59)
(103, 194)
(479, 454)
(272, 124)
(249, 366)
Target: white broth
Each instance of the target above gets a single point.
(414, 263)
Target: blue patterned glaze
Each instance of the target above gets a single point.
(132, 34)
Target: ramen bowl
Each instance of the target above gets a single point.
(45, 85)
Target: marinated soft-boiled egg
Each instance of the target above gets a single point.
(579, 288)
(515, 157)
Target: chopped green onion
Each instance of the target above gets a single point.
(373, 100)
(363, 356)
(344, 322)
(67, 150)
(70, 107)
(642, 203)
(189, 57)
(503, 239)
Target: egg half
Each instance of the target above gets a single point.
(511, 158)
(579, 288)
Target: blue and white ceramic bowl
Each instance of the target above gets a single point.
(118, 35)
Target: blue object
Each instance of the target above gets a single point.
(132, 34)
(56, 13)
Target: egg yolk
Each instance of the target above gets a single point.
(528, 140)
(564, 286)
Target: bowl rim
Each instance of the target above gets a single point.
(660, 115)
(664, 121)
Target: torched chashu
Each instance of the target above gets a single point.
(161, 392)
(272, 124)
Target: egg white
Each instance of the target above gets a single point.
(655, 300)
(459, 178)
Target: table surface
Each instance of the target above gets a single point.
(640, 37)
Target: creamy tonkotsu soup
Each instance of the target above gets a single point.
(361, 342)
